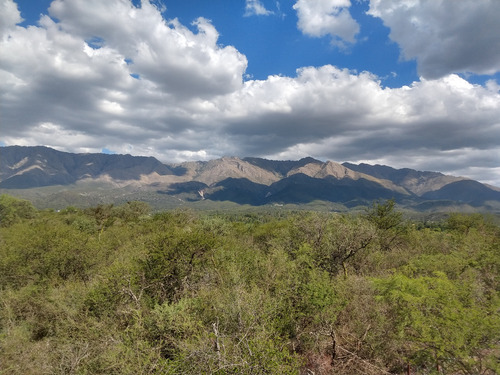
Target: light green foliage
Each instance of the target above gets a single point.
(116, 290)
(132, 211)
(46, 250)
(440, 321)
(464, 223)
(13, 210)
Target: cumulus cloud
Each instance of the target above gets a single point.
(112, 71)
(129, 81)
(338, 114)
(444, 36)
(168, 53)
(9, 16)
(319, 18)
(256, 8)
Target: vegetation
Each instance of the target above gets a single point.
(119, 290)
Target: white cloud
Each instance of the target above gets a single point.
(340, 115)
(190, 102)
(256, 8)
(444, 36)
(168, 53)
(51, 74)
(9, 16)
(493, 85)
(319, 18)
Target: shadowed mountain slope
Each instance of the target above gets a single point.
(468, 191)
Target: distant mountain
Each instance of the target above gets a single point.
(464, 191)
(417, 182)
(59, 176)
(29, 167)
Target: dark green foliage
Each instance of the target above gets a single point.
(115, 290)
(384, 215)
(388, 222)
(173, 259)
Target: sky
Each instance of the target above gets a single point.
(409, 83)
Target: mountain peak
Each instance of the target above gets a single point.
(309, 160)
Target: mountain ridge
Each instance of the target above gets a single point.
(251, 180)
(417, 182)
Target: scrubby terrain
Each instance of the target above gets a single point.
(119, 290)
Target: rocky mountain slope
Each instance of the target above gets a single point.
(251, 181)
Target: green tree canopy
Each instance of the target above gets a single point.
(12, 210)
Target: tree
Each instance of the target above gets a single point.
(463, 223)
(345, 239)
(388, 221)
(13, 210)
(103, 215)
(132, 211)
(172, 259)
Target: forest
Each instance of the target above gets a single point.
(125, 290)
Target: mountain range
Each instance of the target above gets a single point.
(55, 178)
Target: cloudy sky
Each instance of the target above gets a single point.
(411, 83)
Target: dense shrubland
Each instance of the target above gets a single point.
(118, 290)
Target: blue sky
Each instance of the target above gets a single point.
(274, 45)
(408, 84)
